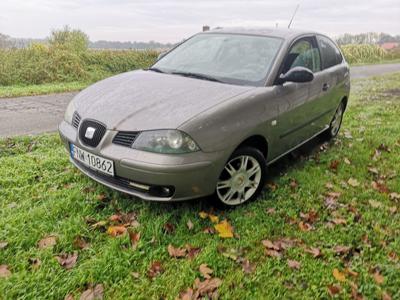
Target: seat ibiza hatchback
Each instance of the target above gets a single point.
(209, 115)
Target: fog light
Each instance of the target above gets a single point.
(161, 191)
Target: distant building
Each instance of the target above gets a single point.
(389, 46)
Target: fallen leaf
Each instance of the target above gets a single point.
(353, 182)
(81, 242)
(67, 261)
(373, 171)
(334, 289)
(309, 217)
(248, 267)
(93, 293)
(203, 214)
(135, 275)
(293, 264)
(169, 228)
(329, 185)
(351, 272)
(270, 245)
(189, 224)
(293, 185)
(69, 297)
(205, 271)
(375, 204)
(35, 263)
(386, 296)
(380, 187)
(339, 221)
(192, 251)
(393, 209)
(273, 253)
(186, 295)
(47, 242)
(339, 276)
(206, 288)
(3, 245)
(271, 211)
(115, 218)
(116, 230)
(394, 196)
(155, 269)
(315, 252)
(305, 226)
(392, 256)
(334, 165)
(213, 218)
(347, 161)
(209, 230)
(341, 249)
(379, 279)
(134, 238)
(176, 252)
(224, 229)
(4, 271)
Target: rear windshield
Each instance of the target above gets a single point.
(230, 58)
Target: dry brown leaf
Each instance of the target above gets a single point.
(35, 263)
(209, 230)
(115, 218)
(4, 271)
(339, 221)
(334, 165)
(135, 275)
(69, 297)
(248, 267)
(93, 293)
(347, 161)
(394, 196)
(81, 242)
(339, 276)
(169, 228)
(271, 211)
(305, 226)
(224, 229)
(375, 204)
(116, 230)
(270, 245)
(373, 171)
(189, 224)
(334, 289)
(213, 218)
(353, 182)
(47, 242)
(341, 249)
(134, 238)
(155, 269)
(206, 287)
(380, 187)
(176, 252)
(186, 295)
(205, 271)
(315, 252)
(378, 277)
(309, 217)
(351, 272)
(192, 251)
(293, 185)
(386, 296)
(293, 264)
(67, 261)
(273, 253)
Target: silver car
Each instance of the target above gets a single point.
(210, 115)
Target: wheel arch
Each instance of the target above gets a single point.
(256, 141)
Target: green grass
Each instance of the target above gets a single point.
(42, 194)
(41, 89)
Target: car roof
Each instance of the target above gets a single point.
(285, 33)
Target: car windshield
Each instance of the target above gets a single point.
(228, 58)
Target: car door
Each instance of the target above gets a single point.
(336, 73)
(296, 122)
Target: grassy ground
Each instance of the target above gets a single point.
(41, 89)
(345, 194)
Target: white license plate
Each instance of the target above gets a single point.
(92, 161)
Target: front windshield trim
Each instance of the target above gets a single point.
(228, 80)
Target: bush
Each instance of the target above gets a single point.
(40, 63)
(363, 53)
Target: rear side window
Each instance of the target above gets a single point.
(330, 54)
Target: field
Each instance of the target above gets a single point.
(326, 225)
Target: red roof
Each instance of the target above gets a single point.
(388, 46)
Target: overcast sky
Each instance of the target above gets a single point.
(173, 20)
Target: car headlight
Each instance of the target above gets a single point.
(69, 113)
(165, 141)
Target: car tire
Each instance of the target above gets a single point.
(336, 122)
(242, 179)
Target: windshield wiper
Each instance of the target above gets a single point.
(156, 70)
(197, 75)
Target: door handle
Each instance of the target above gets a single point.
(325, 87)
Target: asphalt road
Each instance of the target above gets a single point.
(40, 114)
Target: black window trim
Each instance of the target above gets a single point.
(336, 46)
(313, 37)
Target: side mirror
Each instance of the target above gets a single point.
(161, 55)
(297, 74)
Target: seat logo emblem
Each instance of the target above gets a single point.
(90, 132)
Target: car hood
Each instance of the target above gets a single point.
(142, 100)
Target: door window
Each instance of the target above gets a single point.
(304, 53)
(331, 55)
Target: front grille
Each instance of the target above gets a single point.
(76, 119)
(125, 138)
(99, 132)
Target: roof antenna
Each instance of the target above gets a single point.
(295, 11)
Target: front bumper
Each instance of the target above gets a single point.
(191, 175)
